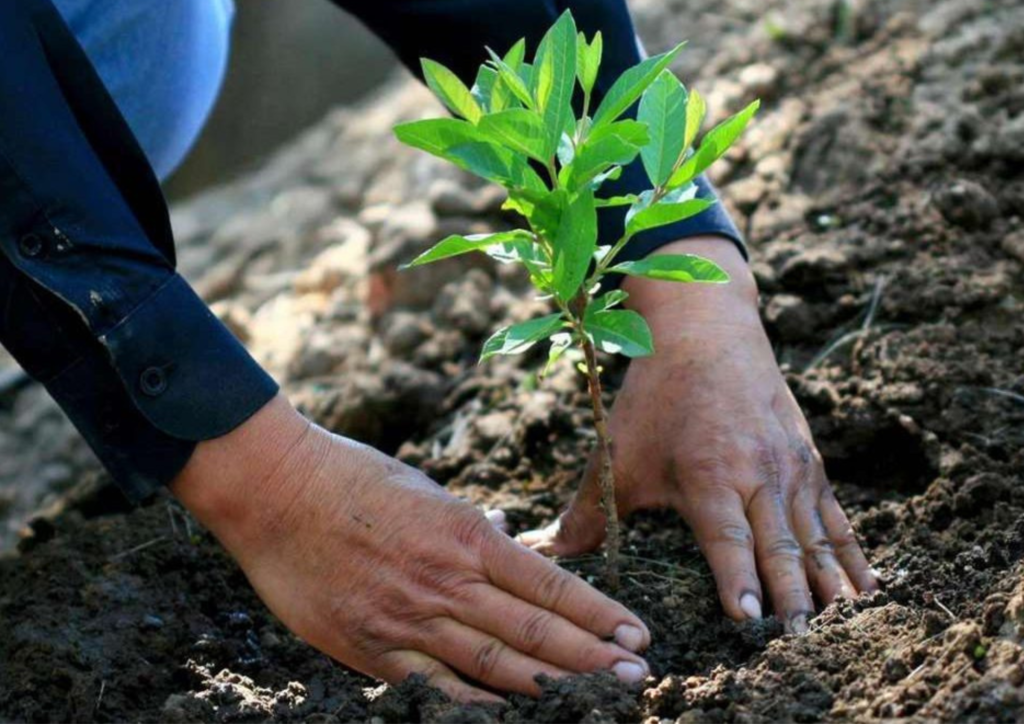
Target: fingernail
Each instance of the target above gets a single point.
(497, 518)
(629, 637)
(799, 624)
(630, 671)
(750, 606)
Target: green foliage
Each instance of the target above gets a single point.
(517, 126)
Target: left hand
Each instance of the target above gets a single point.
(708, 427)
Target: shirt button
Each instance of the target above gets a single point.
(153, 382)
(31, 246)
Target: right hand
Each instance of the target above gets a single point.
(377, 566)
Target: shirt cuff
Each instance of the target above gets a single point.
(185, 372)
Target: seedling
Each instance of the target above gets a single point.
(517, 127)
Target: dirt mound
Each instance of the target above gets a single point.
(882, 190)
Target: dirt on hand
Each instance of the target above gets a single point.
(882, 190)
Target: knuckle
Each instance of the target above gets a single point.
(444, 578)
(714, 470)
(486, 658)
(732, 535)
(785, 549)
(552, 587)
(533, 632)
(845, 538)
(470, 529)
(821, 551)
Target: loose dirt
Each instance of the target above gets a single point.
(882, 190)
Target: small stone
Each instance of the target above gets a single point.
(967, 204)
(495, 426)
(270, 640)
(1013, 244)
(151, 623)
(760, 80)
(402, 332)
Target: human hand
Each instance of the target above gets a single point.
(708, 427)
(375, 565)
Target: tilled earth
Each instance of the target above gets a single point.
(882, 190)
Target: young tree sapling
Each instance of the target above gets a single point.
(517, 127)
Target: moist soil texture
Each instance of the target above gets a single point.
(882, 190)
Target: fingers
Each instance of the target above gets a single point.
(397, 666)
(848, 550)
(824, 569)
(486, 659)
(549, 637)
(580, 529)
(780, 558)
(720, 524)
(529, 576)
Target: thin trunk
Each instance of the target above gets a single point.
(606, 474)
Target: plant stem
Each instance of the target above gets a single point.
(606, 474)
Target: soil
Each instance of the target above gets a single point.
(882, 190)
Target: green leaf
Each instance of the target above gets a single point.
(438, 135)
(554, 78)
(588, 60)
(488, 161)
(518, 338)
(673, 268)
(620, 331)
(483, 87)
(663, 214)
(451, 90)
(457, 245)
(628, 130)
(594, 157)
(502, 96)
(695, 111)
(511, 79)
(574, 245)
(631, 85)
(463, 144)
(614, 201)
(714, 145)
(543, 209)
(606, 301)
(529, 254)
(518, 129)
(516, 55)
(560, 342)
(663, 109)
(611, 174)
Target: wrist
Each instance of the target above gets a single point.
(667, 305)
(227, 483)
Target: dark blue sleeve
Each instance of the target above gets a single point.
(92, 305)
(457, 33)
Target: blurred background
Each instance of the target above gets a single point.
(291, 61)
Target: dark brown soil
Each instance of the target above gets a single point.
(882, 191)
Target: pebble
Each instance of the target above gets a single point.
(151, 623)
(967, 204)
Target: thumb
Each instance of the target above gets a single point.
(580, 529)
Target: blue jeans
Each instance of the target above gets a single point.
(163, 61)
